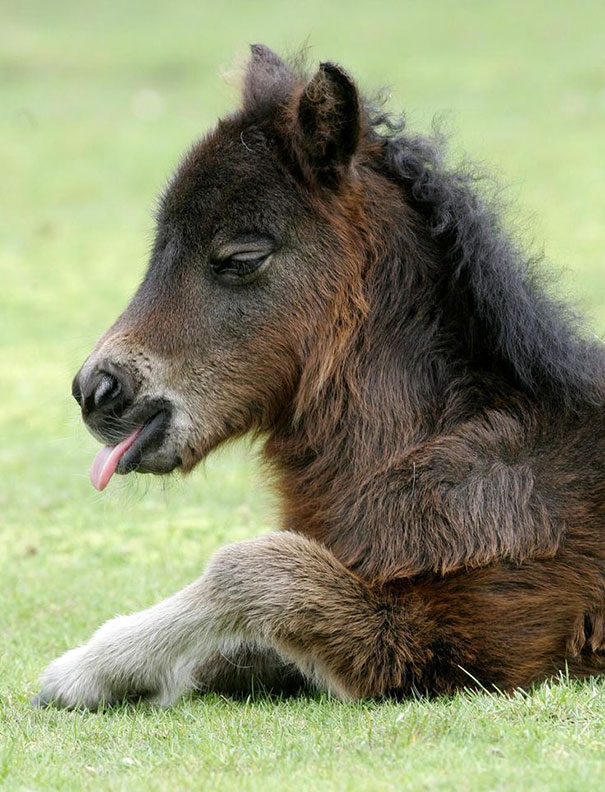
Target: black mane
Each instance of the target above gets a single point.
(511, 319)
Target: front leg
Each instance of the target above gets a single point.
(281, 591)
(92, 675)
(137, 656)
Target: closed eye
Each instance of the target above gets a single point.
(240, 266)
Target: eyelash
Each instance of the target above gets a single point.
(234, 268)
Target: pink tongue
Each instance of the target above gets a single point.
(106, 461)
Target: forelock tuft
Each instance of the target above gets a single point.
(268, 80)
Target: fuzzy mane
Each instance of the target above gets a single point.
(513, 325)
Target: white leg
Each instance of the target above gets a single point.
(280, 591)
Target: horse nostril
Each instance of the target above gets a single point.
(107, 390)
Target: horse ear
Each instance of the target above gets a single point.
(329, 122)
(267, 80)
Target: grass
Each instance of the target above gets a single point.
(97, 101)
(552, 739)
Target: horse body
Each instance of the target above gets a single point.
(434, 423)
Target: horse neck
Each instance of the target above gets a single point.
(396, 386)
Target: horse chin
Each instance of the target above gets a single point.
(156, 466)
(195, 452)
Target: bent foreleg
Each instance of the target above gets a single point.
(281, 591)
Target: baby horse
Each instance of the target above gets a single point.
(434, 422)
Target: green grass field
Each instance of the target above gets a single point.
(97, 102)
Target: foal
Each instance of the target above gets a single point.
(435, 424)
